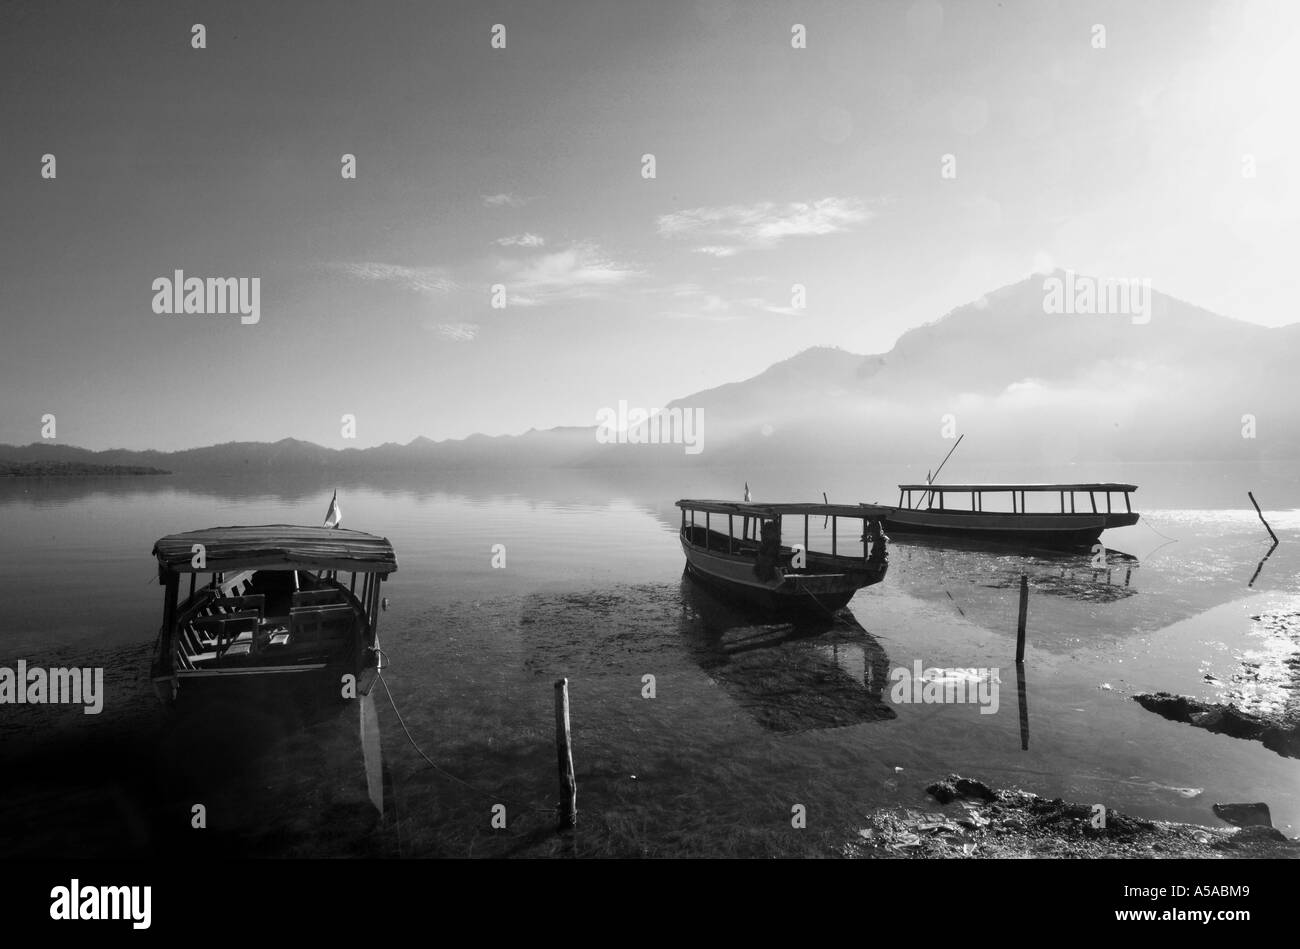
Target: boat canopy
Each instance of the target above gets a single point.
(752, 509)
(941, 488)
(276, 547)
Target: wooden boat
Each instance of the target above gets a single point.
(756, 567)
(942, 513)
(278, 603)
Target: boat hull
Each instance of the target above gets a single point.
(788, 592)
(321, 679)
(1054, 531)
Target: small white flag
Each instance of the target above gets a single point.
(747, 498)
(332, 517)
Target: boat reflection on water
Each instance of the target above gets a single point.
(1103, 577)
(372, 752)
(276, 769)
(813, 673)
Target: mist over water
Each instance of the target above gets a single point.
(749, 717)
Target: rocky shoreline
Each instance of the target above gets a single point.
(973, 820)
(1281, 735)
(1263, 698)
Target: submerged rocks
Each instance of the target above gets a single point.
(1261, 696)
(1244, 815)
(1280, 736)
(955, 786)
(1269, 840)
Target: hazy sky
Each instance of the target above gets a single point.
(522, 166)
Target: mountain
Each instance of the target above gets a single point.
(1028, 385)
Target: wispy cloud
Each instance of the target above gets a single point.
(504, 200)
(457, 332)
(693, 302)
(580, 271)
(422, 279)
(526, 239)
(726, 231)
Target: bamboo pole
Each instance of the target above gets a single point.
(1251, 495)
(931, 478)
(1024, 615)
(1024, 706)
(564, 757)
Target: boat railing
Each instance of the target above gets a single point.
(927, 494)
(753, 516)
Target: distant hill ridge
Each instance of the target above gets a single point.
(1026, 385)
(71, 469)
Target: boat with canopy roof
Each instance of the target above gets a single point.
(968, 511)
(749, 560)
(274, 602)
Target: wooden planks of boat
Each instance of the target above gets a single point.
(757, 568)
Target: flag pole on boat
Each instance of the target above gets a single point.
(744, 528)
(929, 478)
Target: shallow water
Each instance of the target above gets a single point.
(748, 718)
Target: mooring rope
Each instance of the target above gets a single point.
(496, 798)
(418, 750)
(1165, 536)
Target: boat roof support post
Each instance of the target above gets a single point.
(1126, 504)
(1092, 498)
(730, 531)
(708, 528)
(835, 536)
(171, 584)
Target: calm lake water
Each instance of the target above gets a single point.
(749, 718)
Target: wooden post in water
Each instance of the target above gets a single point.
(1020, 624)
(1251, 495)
(1024, 706)
(564, 757)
